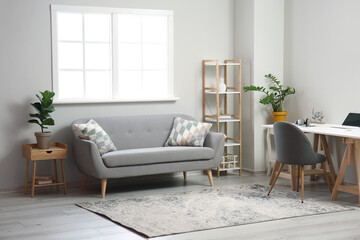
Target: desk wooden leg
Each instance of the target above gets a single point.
(302, 183)
(357, 165)
(315, 148)
(323, 166)
(268, 143)
(293, 177)
(329, 161)
(273, 174)
(56, 175)
(33, 179)
(63, 175)
(341, 174)
(26, 176)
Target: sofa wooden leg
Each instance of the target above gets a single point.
(209, 173)
(184, 173)
(84, 182)
(103, 187)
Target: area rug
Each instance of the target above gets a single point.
(173, 213)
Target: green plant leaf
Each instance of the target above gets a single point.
(34, 121)
(36, 115)
(49, 121)
(37, 106)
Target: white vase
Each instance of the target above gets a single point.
(222, 87)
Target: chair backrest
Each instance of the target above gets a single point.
(292, 146)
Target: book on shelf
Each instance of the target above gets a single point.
(225, 117)
(44, 181)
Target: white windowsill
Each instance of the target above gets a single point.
(58, 102)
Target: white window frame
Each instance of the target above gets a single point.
(113, 12)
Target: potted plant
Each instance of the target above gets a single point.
(43, 109)
(275, 96)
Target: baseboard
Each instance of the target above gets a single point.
(252, 172)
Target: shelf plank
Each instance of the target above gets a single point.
(222, 64)
(227, 92)
(231, 144)
(214, 120)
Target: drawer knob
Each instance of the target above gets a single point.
(48, 151)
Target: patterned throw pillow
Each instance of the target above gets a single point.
(92, 131)
(188, 133)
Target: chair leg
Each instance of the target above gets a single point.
(326, 176)
(103, 187)
(302, 183)
(298, 178)
(184, 173)
(276, 178)
(209, 173)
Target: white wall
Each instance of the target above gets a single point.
(322, 59)
(244, 50)
(202, 29)
(259, 41)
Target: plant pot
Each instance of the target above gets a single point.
(279, 116)
(43, 139)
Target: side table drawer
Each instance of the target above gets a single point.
(49, 154)
(55, 151)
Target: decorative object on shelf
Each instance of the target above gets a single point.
(43, 109)
(275, 97)
(222, 85)
(303, 122)
(318, 116)
(225, 90)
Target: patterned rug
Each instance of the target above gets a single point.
(173, 213)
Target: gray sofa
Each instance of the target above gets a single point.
(140, 149)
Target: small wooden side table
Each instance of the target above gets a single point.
(31, 153)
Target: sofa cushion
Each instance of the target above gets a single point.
(144, 156)
(188, 133)
(94, 132)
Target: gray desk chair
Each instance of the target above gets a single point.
(294, 148)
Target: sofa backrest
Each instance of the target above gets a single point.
(129, 132)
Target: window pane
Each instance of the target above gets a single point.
(70, 55)
(130, 84)
(129, 56)
(155, 84)
(69, 26)
(98, 84)
(97, 56)
(129, 28)
(97, 27)
(70, 84)
(154, 56)
(154, 29)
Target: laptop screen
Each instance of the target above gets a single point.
(352, 119)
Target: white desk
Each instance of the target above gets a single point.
(351, 137)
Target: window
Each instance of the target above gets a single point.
(107, 54)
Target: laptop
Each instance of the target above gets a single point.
(352, 119)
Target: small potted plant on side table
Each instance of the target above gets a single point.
(275, 97)
(43, 109)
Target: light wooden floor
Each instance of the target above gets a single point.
(51, 215)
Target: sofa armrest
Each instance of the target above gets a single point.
(215, 141)
(87, 157)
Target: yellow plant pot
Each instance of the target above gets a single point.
(279, 116)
